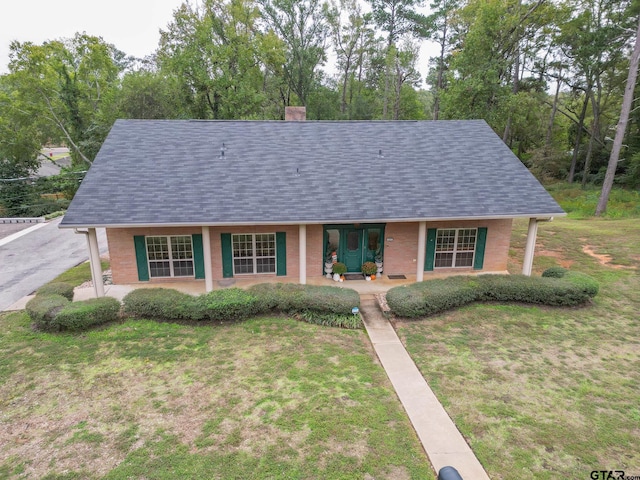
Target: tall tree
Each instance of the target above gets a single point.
(220, 56)
(440, 30)
(621, 129)
(66, 82)
(398, 19)
(303, 27)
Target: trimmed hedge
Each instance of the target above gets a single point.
(291, 298)
(42, 309)
(229, 304)
(57, 288)
(315, 304)
(160, 304)
(434, 296)
(86, 313)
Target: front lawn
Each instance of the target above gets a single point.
(265, 398)
(544, 392)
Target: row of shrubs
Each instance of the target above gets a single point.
(556, 287)
(52, 308)
(314, 304)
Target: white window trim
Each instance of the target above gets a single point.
(455, 248)
(255, 257)
(170, 259)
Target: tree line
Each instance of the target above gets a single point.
(549, 76)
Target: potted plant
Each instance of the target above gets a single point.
(379, 264)
(339, 269)
(328, 266)
(368, 269)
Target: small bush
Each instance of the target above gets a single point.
(84, 314)
(229, 304)
(160, 304)
(554, 272)
(57, 288)
(339, 268)
(42, 310)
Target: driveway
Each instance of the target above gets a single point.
(30, 261)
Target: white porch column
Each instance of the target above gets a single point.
(302, 247)
(422, 250)
(527, 265)
(94, 261)
(206, 250)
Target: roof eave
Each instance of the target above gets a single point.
(540, 216)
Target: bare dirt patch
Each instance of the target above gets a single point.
(603, 258)
(564, 262)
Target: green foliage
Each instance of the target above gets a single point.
(369, 268)
(339, 268)
(159, 304)
(228, 304)
(42, 309)
(581, 202)
(434, 296)
(326, 304)
(290, 298)
(87, 313)
(555, 272)
(57, 288)
(350, 321)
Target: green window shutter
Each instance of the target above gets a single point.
(227, 255)
(141, 258)
(281, 254)
(481, 241)
(431, 250)
(198, 255)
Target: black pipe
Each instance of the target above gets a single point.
(449, 473)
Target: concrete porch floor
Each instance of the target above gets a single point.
(380, 285)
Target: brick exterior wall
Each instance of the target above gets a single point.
(400, 254)
(123, 255)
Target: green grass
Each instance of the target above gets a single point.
(78, 274)
(546, 392)
(266, 398)
(581, 203)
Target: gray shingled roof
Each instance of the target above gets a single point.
(172, 172)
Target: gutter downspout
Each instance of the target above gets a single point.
(94, 260)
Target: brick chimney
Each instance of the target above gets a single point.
(295, 114)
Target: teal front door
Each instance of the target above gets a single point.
(353, 250)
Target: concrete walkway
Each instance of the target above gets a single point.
(442, 441)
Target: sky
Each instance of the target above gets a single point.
(133, 26)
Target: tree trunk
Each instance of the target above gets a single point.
(595, 129)
(576, 147)
(554, 110)
(440, 80)
(516, 86)
(627, 101)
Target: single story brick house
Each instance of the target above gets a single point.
(211, 200)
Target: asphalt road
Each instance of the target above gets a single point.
(36, 258)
